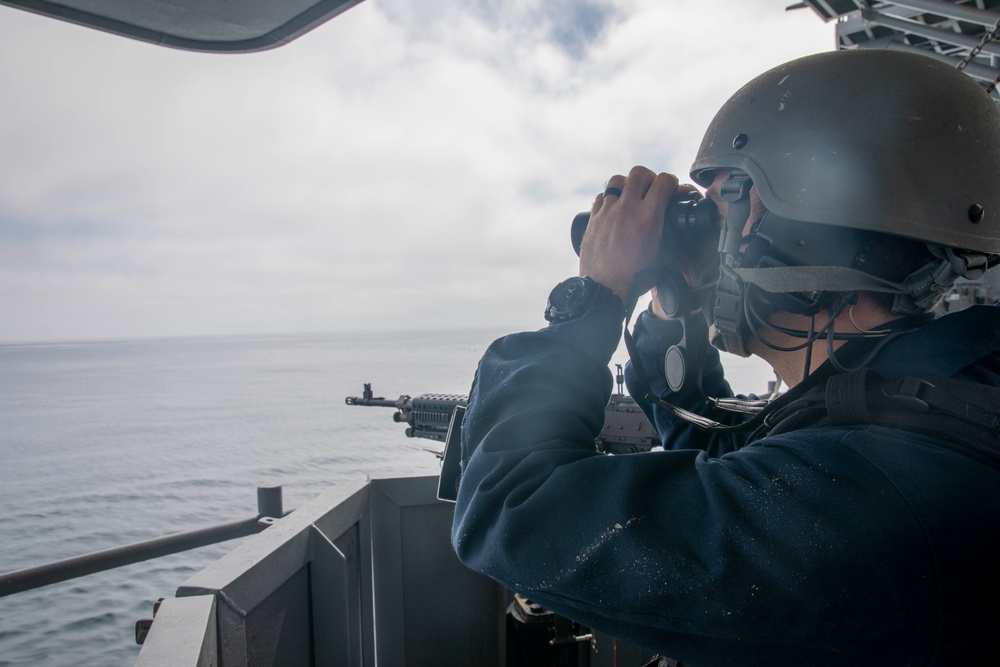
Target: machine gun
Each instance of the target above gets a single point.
(626, 429)
(427, 415)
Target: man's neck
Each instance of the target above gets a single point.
(863, 317)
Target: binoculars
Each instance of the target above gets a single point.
(690, 221)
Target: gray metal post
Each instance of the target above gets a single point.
(269, 502)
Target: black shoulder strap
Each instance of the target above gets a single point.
(847, 398)
(957, 411)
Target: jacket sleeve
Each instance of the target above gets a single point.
(678, 551)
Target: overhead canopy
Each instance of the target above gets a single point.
(231, 26)
(949, 30)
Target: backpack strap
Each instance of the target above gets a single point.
(956, 411)
(847, 399)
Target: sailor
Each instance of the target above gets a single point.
(854, 519)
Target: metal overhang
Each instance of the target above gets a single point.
(215, 26)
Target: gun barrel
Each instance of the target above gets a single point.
(378, 402)
(369, 398)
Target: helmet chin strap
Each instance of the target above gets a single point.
(729, 330)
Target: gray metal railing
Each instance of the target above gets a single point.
(269, 508)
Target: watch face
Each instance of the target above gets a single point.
(574, 296)
(574, 290)
(567, 300)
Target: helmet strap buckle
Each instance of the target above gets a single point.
(967, 264)
(729, 329)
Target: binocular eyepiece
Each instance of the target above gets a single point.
(690, 221)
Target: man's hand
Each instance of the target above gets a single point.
(623, 236)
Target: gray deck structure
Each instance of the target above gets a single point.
(361, 575)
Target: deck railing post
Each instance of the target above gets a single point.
(269, 502)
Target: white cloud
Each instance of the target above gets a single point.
(412, 163)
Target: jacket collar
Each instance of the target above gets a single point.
(944, 346)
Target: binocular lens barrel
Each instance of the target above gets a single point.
(690, 221)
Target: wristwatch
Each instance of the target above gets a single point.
(574, 296)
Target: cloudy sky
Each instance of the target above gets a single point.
(411, 164)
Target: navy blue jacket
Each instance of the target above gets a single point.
(822, 546)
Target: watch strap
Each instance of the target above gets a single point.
(574, 296)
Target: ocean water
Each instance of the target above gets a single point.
(107, 443)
